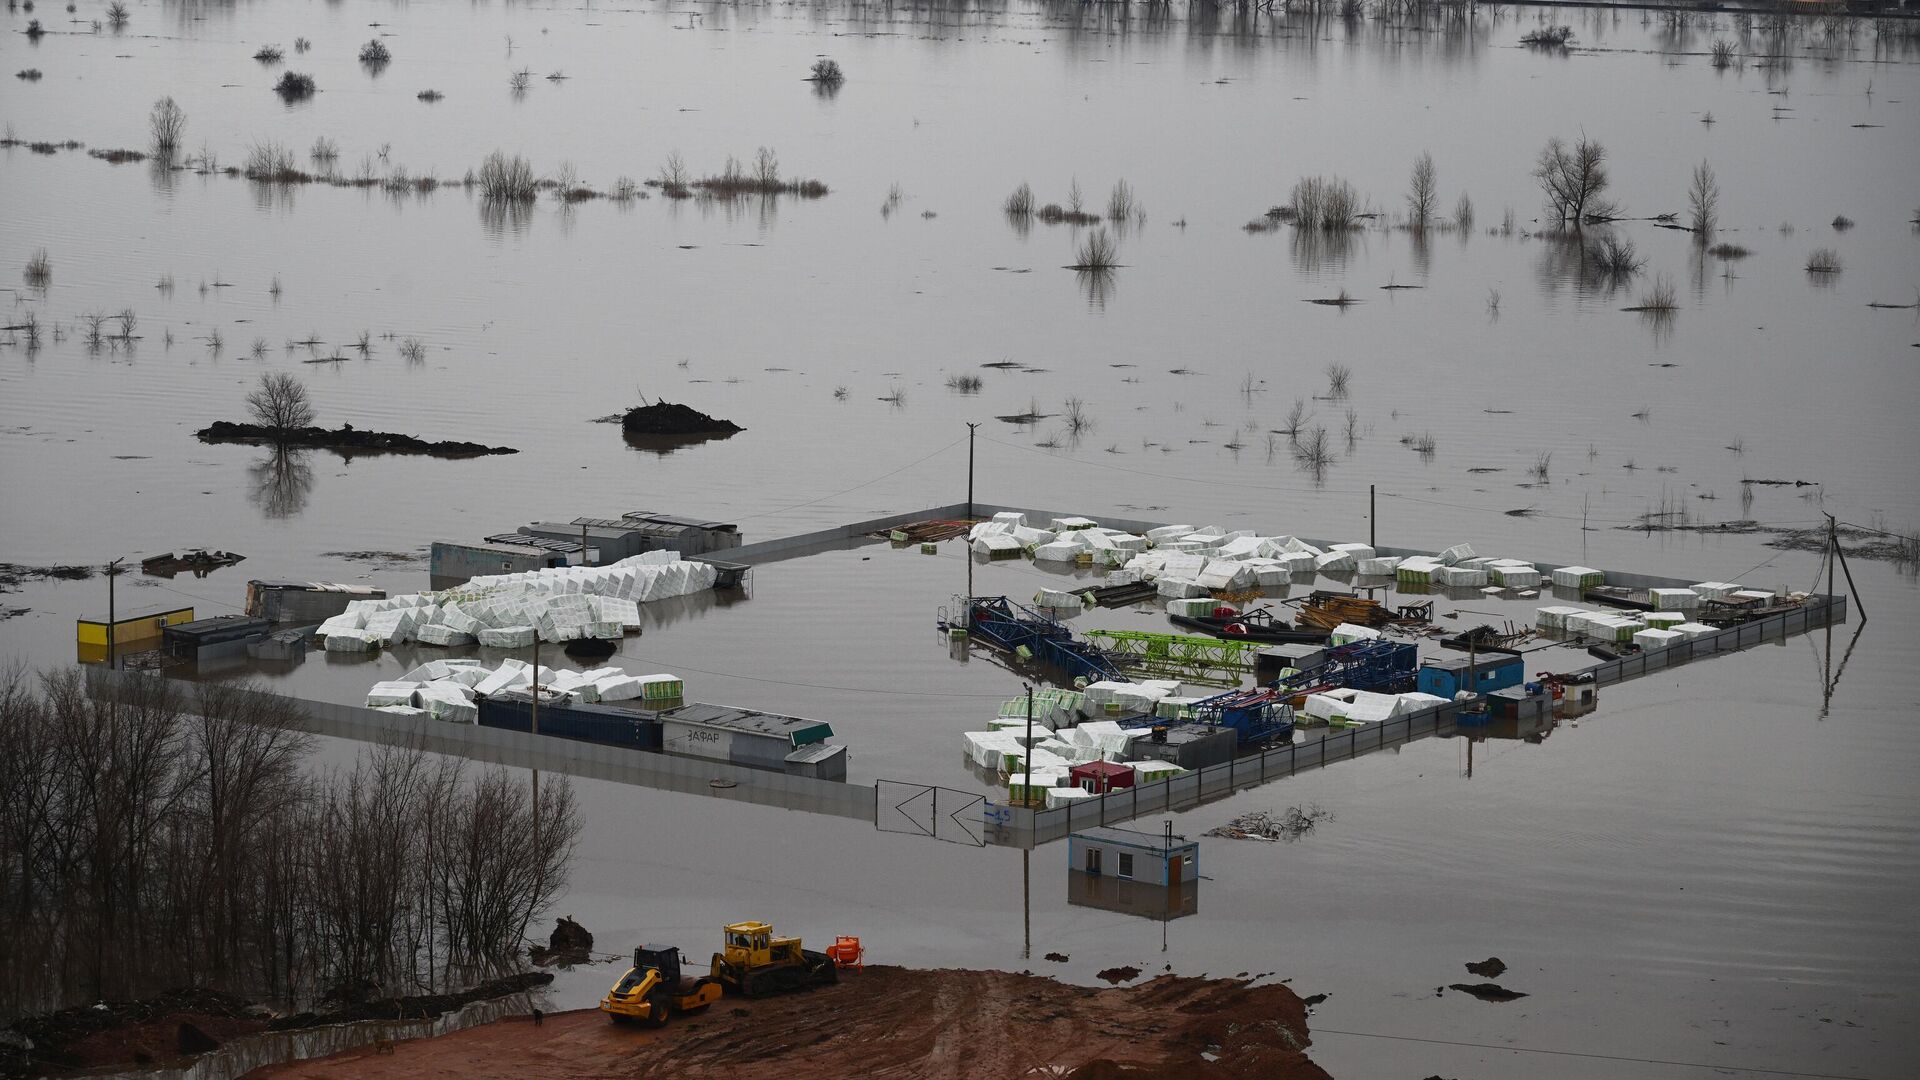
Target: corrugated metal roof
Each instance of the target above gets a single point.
(1155, 842)
(791, 728)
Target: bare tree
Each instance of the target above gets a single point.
(1573, 179)
(280, 405)
(1422, 192)
(1703, 198)
(168, 123)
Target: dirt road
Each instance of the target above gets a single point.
(888, 1022)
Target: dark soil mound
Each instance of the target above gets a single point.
(1118, 975)
(1488, 991)
(1490, 968)
(88, 1035)
(423, 1007)
(347, 441)
(667, 418)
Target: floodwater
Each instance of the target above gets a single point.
(1714, 869)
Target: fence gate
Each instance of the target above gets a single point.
(926, 810)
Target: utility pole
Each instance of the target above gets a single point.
(113, 571)
(1373, 519)
(1027, 755)
(1833, 538)
(535, 686)
(971, 428)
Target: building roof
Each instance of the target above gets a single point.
(1101, 768)
(1155, 842)
(792, 728)
(315, 586)
(1461, 663)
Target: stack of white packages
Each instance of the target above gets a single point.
(1072, 524)
(1269, 573)
(1148, 772)
(1335, 562)
(1555, 617)
(616, 609)
(1347, 632)
(1301, 546)
(1058, 551)
(1674, 599)
(1715, 590)
(1513, 574)
(1241, 548)
(442, 634)
(1355, 706)
(1620, 628)
(1692, 630)
(356, 641)
(1416, 570)
(397, 692)
(1176, 588)
(1358, 551)
(1404, 704)
(996, 544)
(1752, 594)
(1193, 607)
(448, 701)
(1225, 575)
(1378, 565)
(1296, 562)
(1652, 638)
(1107, 739)
(1578, 577)
(583, 685)
(507, 637)
(1456, 554)
(1664, 620)
(1058, 599)
(510, 675)
(1456, 576)
(1061, 796)
(1125, 697)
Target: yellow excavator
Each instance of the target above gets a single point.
(756, 963)
(653, 989)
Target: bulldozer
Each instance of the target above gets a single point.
(756, 963)
(653, 989)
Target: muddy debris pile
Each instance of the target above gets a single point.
(199, 562)
(569, 944)
(420, 1007)
(159, 1028)
(669, 418)
(345, 440)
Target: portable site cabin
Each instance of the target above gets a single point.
(1100, 777)
(219, 637)
(130, 633)
(1130, 855)
(1445, 676)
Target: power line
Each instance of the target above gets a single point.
(855, 487)
(1317, 1030)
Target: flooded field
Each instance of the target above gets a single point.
(1708, 871)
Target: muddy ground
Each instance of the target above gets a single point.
(888, 1022)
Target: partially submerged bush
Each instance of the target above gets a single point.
(1723, 54)
(430, 96)
(1097, 253)
(271, 162)
(504, 179)
(270, 54)
(1326, 204)
(1614, 256)
(39, 269)
(294, 86)
(1728, 251)
(1020, 203)
(828, 72)
(375, 53)
(1823, 261)
(1549, 37)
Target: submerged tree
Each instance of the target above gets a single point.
(1422, 192)
(1703, 199)
(280, 405)
(1573, 180)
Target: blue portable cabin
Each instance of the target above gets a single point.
(1445, 676)
(610, 724)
